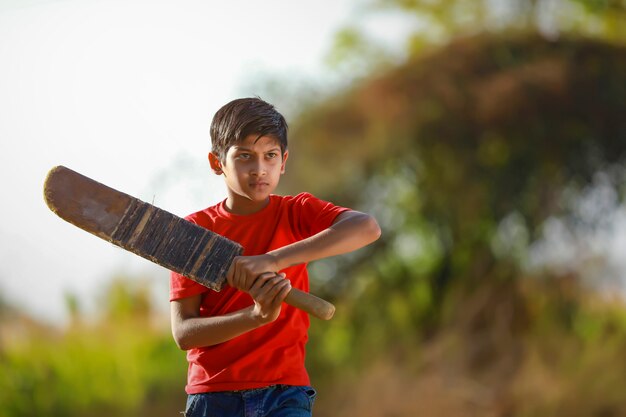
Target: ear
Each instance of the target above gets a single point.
(216, 165)
(282, 166)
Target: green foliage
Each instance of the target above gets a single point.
(447, 19)
(122, 365)
(125, 301)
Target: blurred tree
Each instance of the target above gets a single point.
(451, 144)
(124, 364)
(126, 299)
(550, 17)
(437, 22)
(465, 154)
(72, 304)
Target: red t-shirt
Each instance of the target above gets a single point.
(274, 353)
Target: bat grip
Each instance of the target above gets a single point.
(313, 305)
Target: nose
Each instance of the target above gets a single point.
(258, 168)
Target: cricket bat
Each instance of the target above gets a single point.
(153, 233)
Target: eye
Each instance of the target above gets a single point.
(243, 155)
(271, 155)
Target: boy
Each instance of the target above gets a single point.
(244, 347)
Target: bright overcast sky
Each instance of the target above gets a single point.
(123, 91)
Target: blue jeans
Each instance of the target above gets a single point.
(274, 401)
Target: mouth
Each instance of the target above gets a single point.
(259, 184)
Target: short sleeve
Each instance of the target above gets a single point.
(313, 215)
(182, 287)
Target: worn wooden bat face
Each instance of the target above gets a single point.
(140, 227)
(153, 233)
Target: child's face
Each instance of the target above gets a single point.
(252, 170)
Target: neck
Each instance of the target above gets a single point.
(244, 207)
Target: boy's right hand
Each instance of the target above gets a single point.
(244, 270)
(268, 292)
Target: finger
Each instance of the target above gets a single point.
(235, 272)
(236, 275)
(270, 289)
(284, 290)
(264, 278)
(231, 272)
(248, 277)
(274, 286)
(269, 278)
(279, 292)
(260, 285)
(239, 277)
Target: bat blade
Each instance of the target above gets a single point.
(140, 227)
(153, 233)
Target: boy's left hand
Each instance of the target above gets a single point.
(244, 270)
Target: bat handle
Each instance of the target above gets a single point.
(313, 305)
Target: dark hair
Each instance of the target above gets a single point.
(243, 117)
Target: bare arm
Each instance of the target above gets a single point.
(190, 330)
(350, 231)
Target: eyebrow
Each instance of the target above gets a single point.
(243, 148)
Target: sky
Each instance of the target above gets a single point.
(123, 92)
